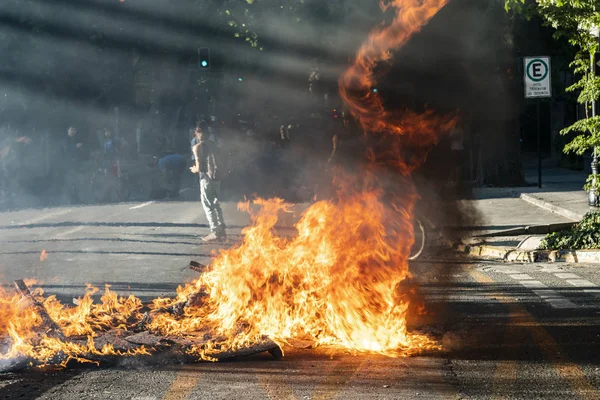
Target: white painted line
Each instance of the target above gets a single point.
(555, 299)
(520, 277)
(141, 205)
(46, 216)
(551, 269)
(548, 295)
(508, 271)
(580, 283)
(533, 284)
(567, 275)
(593, 292)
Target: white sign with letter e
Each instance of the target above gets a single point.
(537, 77)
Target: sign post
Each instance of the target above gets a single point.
(538, 85)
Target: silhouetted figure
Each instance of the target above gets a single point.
(206, 167)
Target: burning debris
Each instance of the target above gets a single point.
(47, 343)
(338, 282)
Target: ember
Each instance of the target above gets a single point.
(337, 283)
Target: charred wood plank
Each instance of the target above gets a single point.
(198, 267)
(265, 345)
(51, 328)
(148, 339)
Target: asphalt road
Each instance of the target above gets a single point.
(508, 331)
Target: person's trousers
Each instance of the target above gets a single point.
(209, 196)
(173, 180)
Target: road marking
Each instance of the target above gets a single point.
(595, 292)
(520, 277)
(544, 292)
(533, 284)
(46, 216)
(548, 295)
(551, 269)
(508, 271)
(555, 299)
(566, 369)
(567, 275)
(141, 205)
(183, 385)
(584, 283)
(580, 283)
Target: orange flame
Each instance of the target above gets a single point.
(22, 324)
(43, 255)
(366, 105)
(334, 283)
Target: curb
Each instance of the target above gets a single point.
(530, 230)
(547, 205)
(530, 256)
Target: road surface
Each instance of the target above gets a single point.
(507, 331)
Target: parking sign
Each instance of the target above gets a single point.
(537, 77)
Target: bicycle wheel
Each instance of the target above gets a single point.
(420, 235)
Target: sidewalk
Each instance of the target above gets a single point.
(515, 220)
(561, 193)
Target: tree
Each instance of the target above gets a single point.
(578, 21)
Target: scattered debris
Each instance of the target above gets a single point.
(48, 325)
(137, 340)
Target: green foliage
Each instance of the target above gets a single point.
(584, 235)
(593, 182)
(578, 21)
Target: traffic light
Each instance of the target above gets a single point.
(204, 58)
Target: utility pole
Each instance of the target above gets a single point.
(593, 195)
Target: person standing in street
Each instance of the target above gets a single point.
(206, 167)
(72, 158)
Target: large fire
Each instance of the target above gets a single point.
(338, 282)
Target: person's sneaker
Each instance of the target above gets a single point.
(221, 234)
(211, 237)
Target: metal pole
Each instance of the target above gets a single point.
(593, 198)
(539, 144)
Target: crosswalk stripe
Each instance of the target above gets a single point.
(566, 369)
(580, 283)
(520, 277)
(548, 295)
(567, 275)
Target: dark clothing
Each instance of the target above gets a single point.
(206, 159)
(171, 169)
(174, 162)
(69, 148)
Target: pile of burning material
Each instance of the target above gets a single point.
(34, 338)
(339, 282)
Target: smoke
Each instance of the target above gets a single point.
(132, 66)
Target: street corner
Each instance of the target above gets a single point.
(514, 254)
